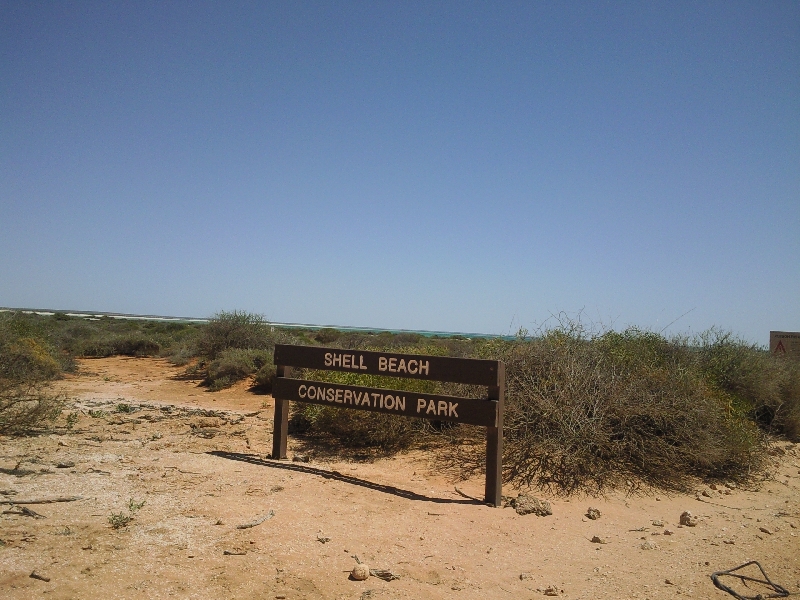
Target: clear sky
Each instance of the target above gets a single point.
(458, 166)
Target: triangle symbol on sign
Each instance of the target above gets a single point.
(779, 348)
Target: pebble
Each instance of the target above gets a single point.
(552, 590)
(648, 545)
(598, 540)
(668, 532)
(688, 519)
(658, 523)
(593, 513)
(360, 572)
(524, 576)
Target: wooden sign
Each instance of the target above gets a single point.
(436, 368)
(486, 412)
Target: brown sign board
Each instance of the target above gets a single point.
(436, 368)
(394, 402)
(484, 412)
(785, 343)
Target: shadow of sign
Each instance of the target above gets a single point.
(337, 476)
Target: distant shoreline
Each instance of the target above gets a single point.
(93, 315)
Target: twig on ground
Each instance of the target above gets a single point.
(22, 510)
(460, 493)
(268, 516)
(43, 500)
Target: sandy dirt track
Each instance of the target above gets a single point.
(199, 463)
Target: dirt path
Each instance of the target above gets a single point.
(197, 462)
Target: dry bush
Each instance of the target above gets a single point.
(27, 364)
(24, 407)
(585, 414)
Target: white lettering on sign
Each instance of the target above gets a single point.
(346, 361)
(356, 398)
(411, 366)
(442, 408)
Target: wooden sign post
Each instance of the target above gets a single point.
(484, 412)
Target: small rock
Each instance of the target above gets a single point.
(713, 486)
(525, 576)
(39, 576)
(68, 464)
(668, 582)
(598, 540)
(323, 540)
(706, 493)
(688, 519)
(668, 532)
(552, 590)
(658, 523)
(658, 498)
(300, 458)
(593, 513)
(730, 485)
(648, 545)
(765, 530)
(525, 505)
(360, 572)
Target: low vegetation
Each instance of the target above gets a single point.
(28, 362)
(585, 411)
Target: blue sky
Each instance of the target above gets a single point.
(459, 166)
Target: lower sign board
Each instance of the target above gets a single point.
(394, 402)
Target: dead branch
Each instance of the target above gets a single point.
(268, 516)
(43, 500)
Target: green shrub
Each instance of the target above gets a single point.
(326, 335)
(234, 330)
(235, 364)
(753, 382)
(265, 377)
(132, 344)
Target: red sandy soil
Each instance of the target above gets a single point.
(198, 461)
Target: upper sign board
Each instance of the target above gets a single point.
(786, 343)
(437, 368)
